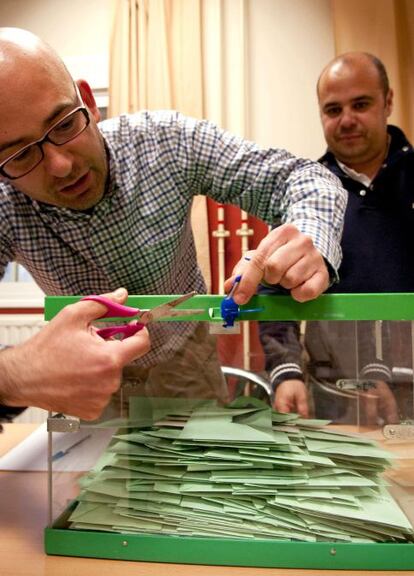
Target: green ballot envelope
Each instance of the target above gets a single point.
(199, 467)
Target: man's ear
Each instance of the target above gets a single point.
(389, 102)
(88, 98)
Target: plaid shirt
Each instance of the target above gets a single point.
(139, 234)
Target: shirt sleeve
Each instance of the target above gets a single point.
(6, 254)
(375, 366)
(282, 349)
(271, 184)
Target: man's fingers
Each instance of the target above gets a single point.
(302, 407)
(286, 257)
(291, 396)
(88, 310)
(371, 410)
(134, 346)
(253, 265)
(282, 405)
(387, 404)
(251, 269)
(313, 287)
(292, 263)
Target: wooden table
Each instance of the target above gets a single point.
(23, 516)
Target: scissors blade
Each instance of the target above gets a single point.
(184, 312)
(168, 309)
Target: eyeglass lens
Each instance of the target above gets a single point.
(28, 158)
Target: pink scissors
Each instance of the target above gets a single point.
(115, 310)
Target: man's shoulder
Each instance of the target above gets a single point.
(9, 194)
(14, 206)
(399, 141)
(328, 160)
(141, 121)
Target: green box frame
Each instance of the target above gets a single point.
(238, 552)
(229, 552)
(326, 307)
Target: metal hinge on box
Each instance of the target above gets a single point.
(63, 423)
(402, 431)
(354, 384)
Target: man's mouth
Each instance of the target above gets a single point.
(78, 186)
(350, 137)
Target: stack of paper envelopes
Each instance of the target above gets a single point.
(244, 471)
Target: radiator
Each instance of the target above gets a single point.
(16, 328)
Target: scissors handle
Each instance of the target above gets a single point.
(126, 330)
(113, 310)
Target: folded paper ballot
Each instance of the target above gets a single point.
(245, 471)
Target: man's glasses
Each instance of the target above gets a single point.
(26, 159)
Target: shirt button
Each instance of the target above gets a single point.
(384, 165)
(405, 149)
(362, 192)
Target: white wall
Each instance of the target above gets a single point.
(78, 29)
(290, 42)
(262, 61)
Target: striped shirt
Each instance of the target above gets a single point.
(139, 234)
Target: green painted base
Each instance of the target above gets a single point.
(228, 552)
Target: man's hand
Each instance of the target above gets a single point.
(67, 367)
(286, 257)
(379, 403)
(291, 396)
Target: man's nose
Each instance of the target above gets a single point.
(57, 160)
(347, 118)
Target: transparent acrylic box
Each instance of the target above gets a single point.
(336, 495)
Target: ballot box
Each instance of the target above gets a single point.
(283, 439)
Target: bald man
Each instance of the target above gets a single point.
(87, 207)
(375, 163)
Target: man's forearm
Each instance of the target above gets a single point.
(8, 408)
(12, 362)
(283, 350)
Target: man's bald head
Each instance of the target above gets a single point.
(355, 102)
(40, 96)
(23, 52)
(356, 59)
(19, 38)
(29, 69)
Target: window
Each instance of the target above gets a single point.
(16, 273)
